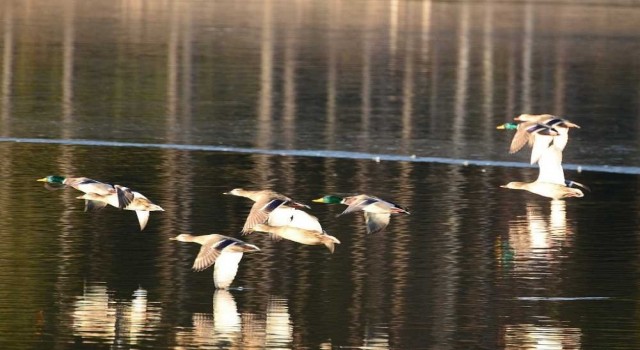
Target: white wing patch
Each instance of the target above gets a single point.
(550, 164)
(225, 268)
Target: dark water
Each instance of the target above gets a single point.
(271, 94)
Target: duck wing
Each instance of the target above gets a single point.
(87, 185)
(305, 221)
(359, 204)
(376, 222)
(125, 196)
(260, 212)
(226, 268)
(520, 138)
(91, 205)
(143, 218)
(210, 251)
(550, 165)
(540, 145)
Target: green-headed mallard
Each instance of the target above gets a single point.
(98, 194)
(221, 251)
(299, 235)
(538, 130)
(83, 184)
(377, 212)
(124, 198)
(276, 210)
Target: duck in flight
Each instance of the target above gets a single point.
(126, 199)
(223, 252)
(275, 209)
(98, 194)
(538, 131)
(550, 182)
(549, 136)
(299, 235)
(377, 212)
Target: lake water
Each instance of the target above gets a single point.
(184, 100)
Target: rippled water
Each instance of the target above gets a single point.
(474, 265)
(184, 100)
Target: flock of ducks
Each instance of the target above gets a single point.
(273, 213)
(284, 218)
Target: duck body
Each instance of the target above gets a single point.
(124, 198)
(287, 216)
(546, 189)
(302, 236)
(538, 131)
(274, 208)
(136, 201)
(82, 184)
(377, 211)
(98, 195)
(221, 251)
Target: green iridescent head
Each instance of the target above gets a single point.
(507, 126)
(329, 199)
(53, 179)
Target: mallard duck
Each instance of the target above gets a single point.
(548, 119)
(538, 130)
(276, 209)
(545, 189)
(124, 198)
(83, 184)
(526, 133)
(221, 251)
(377, 212)
(299, 235)
(551, 181)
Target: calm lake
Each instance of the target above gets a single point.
(185, 100)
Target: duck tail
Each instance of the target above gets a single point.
(575, 193)
(400, 210)
(330, 242)
(298, 205)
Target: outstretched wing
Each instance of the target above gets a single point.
(210, 251)
(259, 213)
(550, 164)
(225, 269)
(125, 196)
(376, 222)
(90, 205)
(359, 204)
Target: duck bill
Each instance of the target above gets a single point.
(44, 179)
(501, 127)
(319, 200)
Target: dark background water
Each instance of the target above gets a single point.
(473, 266)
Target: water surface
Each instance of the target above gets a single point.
(184, 100)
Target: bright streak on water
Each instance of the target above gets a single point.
(321, 154)
(562, 298)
